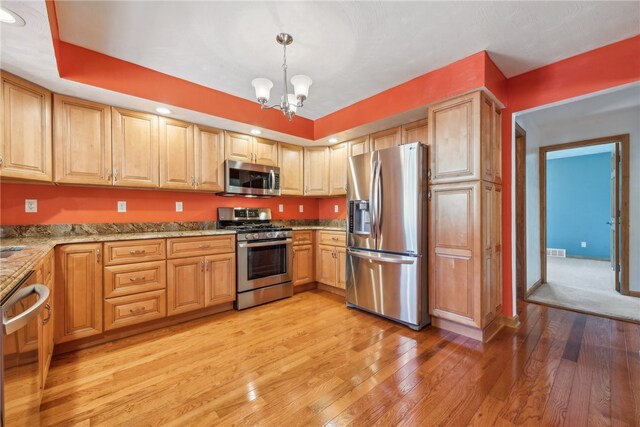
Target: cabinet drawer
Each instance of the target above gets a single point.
(197, 246)
(334, 238)
(304, 237)
(134, 309)
(130, 279)
(134, 251)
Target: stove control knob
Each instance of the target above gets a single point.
(248, 236)
(270, 235)
(256, 235)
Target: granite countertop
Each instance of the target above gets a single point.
(13, 268)
(317, 227)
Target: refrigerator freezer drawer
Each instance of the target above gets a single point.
(390, 285)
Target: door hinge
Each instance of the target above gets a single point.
(618, 268)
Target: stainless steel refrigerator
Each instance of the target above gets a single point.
(387, 234)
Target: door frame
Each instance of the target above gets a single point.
(623, 230)
(521, 211)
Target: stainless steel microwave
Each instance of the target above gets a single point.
(250, 179)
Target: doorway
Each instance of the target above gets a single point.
(584, 227)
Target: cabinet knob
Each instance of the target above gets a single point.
(193, 181)
(115, 174)
(98, 256)
(1, 161)
(202, 265)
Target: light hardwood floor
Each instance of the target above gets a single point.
(309, 360)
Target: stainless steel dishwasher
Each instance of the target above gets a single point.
(22, 320)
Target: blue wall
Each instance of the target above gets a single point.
(578, 205)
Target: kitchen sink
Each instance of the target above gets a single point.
(6, 252)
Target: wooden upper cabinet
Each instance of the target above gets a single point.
(338, 169)
(291, 164)
(385, 139)
(486, 137)
(415, 132)
(265, 152)
(238, 146)
(177, 165)
(135, 148)
(81, 141)
(454, 137)
(497, 144)
(209, 158)
(25, 130)
(78, 291)
(359, 146)
(316, 171)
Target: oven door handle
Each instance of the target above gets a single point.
(23, 319)
(262, 244)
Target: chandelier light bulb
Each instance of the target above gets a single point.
(301, 85)
(263, 89)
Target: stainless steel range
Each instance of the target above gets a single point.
(264, 256)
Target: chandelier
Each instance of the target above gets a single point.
(289, 102)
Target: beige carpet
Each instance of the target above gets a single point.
(585, 285)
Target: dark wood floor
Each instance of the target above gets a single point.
(309, 360)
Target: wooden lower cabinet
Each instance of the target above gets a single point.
(78, 295)
(133, 309)
(326, 265)
(219, 279)
(185, 285)
(331, 259)
(341, 271)
(302, 265)
(465, 254)
(47, 318)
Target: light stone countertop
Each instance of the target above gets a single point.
(317, 227)
(15, 267)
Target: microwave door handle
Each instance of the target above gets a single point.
(23, 319)
(263, 244)
(272, 180)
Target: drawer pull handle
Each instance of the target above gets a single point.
(334, 238)
(204, 246)
(137, 279)
(138, 252)
(137, 310)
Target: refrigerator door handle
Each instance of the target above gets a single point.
(379, 200)
(373, 200)
(378, 257)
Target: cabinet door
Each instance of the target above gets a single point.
(219, 279)
(265, 152)
(209, 159)
(81, 141)
(415, 132)
(135, 149)
(185, 285)
(359, 146)
(455, 252)
(486, 137)
(487, 279)
(302, 264)
(238, 146)
(176, 155)
(341, 268)
(326, 265)
(385, 139)
(316, 171)
(338, 169)
(25, 139)
(497, 145)
(78, 298)
(290, 162)
(496, 226)
(46, 342)
(454, 137)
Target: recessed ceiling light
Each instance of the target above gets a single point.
(256, 131)
(163, 110)
(333, 140)
(9, 17)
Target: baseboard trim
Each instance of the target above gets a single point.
(138, 329)
(305, 287)
(510, 322)
(634, 293)
(534, 288)
(483, 335)
(331, 289)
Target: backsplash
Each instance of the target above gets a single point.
(59, 230)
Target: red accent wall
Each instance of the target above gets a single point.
(73, 205)
(326, 208)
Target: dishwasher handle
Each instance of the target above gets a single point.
(23, 319)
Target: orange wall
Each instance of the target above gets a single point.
(326, 208)
(73, 205)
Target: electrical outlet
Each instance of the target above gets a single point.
(583, 244)
(178, 206)
(122, 206)
(31, 205)
(335, 208)
(280, 208)
(301, 208)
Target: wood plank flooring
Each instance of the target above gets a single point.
(309, 361)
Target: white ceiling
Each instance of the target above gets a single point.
(352, 50)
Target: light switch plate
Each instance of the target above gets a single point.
(583, 244)
(31, 205)
(301, 208)
(280, 208)
(122, 206)
(178, 206)
(335, 208)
